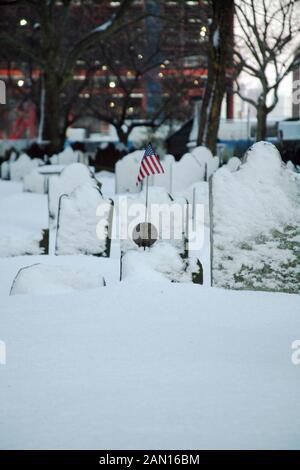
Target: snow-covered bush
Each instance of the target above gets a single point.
(70, 178)
(46, 279)
(34, 182)
(23, 166)
(256, 224)
(84, 223)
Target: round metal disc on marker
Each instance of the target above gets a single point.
(145, 234)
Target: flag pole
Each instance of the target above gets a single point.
(146, 208)
(146, 205)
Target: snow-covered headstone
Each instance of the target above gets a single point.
(5, 173)
(50, 279)
(23, 166)
(70, 178)
(256, 219)
(168, 216)
(126, 171)
(233, 164)
(186, 172)
(84, 223)
(68, 156)
(34, 182)
(205, 158)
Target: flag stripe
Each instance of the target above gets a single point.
(145, 168)
(155, 164)
(159, 162)
(150, 164)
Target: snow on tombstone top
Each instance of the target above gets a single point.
(70, 178)
(186, 172)
(256, 222)
(263, 159)
(164, 179)
(168, 158)
(34, 182)
(259, 197)
(23, 166)
(68, 156)
(84, 223)
(126, 171)
(202, 154)
(42, 279)
(233, 164)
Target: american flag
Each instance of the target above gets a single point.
(150, 164)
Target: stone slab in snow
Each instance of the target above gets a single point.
(50, 279)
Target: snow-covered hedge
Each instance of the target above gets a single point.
(256, 223)
(84, 223)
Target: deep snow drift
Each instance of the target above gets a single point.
(256, 223)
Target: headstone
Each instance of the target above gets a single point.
(70, 178)
(84, 223)
(233, 164)
(5, 173)
(34, 182)
(126, 171)
(23, 166)
(50, 279)
(186, 172)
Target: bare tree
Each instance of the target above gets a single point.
(219, 55)
(60, 36)
(131, 66)
(264, 50)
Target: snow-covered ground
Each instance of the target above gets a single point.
(153, 366)
(138, 364)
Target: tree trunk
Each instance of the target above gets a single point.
(51, 127)
(261, 131)
(220, 45)
(123, 136)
